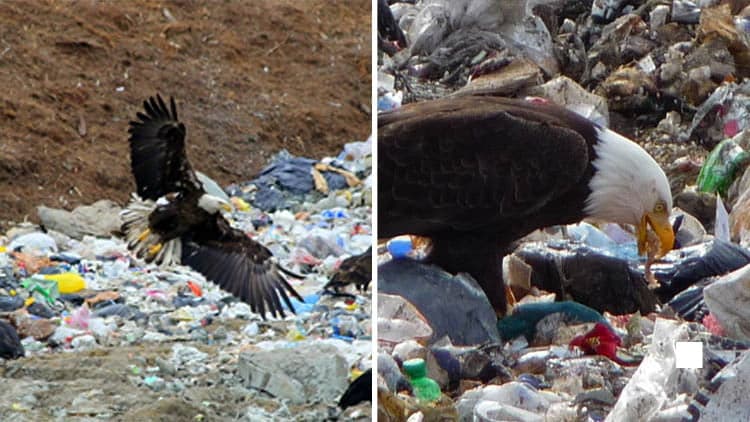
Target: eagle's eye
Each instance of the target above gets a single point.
(660, 207)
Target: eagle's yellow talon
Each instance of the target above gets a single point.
(144, 235)
(153, 250)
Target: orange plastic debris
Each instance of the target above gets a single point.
(196, 289)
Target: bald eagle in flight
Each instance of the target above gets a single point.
(173, 220)
(477, 173)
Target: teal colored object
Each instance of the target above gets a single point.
(525, 317)
(721, 167)
(425, 389)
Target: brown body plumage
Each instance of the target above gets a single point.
(476, 173)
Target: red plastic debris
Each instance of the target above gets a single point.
(713, 325)
(196, 289)
(601, 340)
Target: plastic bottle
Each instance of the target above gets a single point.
(67, 282)
(721, 167)
(425, 389)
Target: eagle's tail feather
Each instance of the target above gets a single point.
(141, 239)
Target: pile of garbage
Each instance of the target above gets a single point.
(89, 330)
(597, 332)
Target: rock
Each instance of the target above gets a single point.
(39, 329)
(731, 401)
(629, 90)
(454, 306)
(690, 232)
(302, 374)
(658, 16)
(211, 187)
(728, 298)
(701, 205)
(101, 218)
(188, 358)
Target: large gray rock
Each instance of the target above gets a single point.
(101, 219)
(454, 306)
(303, 374)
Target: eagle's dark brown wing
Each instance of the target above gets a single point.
(468, 164)
(239, 265)
(157, 151)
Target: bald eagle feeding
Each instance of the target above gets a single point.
(172, 220)
(476, 173)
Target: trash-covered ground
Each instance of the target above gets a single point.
(104, 336)
(252, 77)
(597, 331)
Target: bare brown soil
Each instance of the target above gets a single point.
(250, 78)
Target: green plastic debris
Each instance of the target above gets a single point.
(41, 287)
(721, 167)
(425, 389)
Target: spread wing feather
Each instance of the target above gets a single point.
(157, 151)
(242, 267)
(461, 164)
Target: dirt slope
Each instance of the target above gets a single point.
(250, 77)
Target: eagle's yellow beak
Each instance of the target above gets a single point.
(659, 222)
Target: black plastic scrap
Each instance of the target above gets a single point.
(713, 259)
(682, 283)
(589, 277)
(10, 344)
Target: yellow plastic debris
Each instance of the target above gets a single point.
(18, 407)
(240, 204)
(28, 302)
(295, 335)
(67, 282)
(3, 249)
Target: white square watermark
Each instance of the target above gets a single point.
(688, 354)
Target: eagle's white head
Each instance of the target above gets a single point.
(213, 204)
(629, 187)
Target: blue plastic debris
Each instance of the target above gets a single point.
(400, 247)
(304, 307)
(333, 214)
